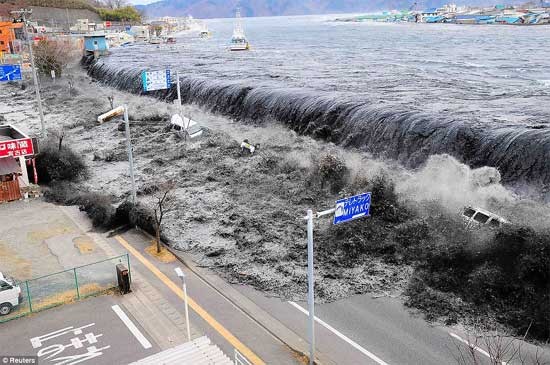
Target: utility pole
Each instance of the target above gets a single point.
(22, 15)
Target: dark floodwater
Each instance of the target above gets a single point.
(405, 91)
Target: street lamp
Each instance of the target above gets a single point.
(113, 113)
(181, 275)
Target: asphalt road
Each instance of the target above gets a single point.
(88, 332)
(364, 330)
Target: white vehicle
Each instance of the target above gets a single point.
(185, 127)
(10, 295)
(478, 217)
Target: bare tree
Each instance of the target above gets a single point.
(54, 55)
(479, 347)
(115, 4)
(164, 204)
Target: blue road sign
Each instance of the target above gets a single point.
(155, 80)
(10, 73)
(352, 208)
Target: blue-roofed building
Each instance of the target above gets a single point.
(96, 44)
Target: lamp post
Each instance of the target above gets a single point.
(181, 275)
(113, 113)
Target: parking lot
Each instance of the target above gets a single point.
(97, 330)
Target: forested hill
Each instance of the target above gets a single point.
(226, 8)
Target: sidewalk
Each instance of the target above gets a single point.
(220, 319)
(156, 315)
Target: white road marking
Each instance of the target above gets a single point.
(478, 349)
(342, 336)
(132, 327)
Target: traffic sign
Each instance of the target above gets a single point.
(352, 208)
(10, 73)
(155, 80)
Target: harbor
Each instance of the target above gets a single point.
(530, 14)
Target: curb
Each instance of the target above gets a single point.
(251, 309)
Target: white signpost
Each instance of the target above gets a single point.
(346, 210)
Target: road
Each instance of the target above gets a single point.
(364, 330)
(357, 330)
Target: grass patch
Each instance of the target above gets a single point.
(68, 296)
(164, 256)
(84, 245)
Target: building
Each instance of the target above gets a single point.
(140, 32)
(9, 32)
(16, 149)
(96, 44)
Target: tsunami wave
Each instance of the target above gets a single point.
(520, 152)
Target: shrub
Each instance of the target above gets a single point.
(54, 164)
(99, 207)
(329, 171)
(127, 13)
(53, 55)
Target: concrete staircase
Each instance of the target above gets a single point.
(200, 351)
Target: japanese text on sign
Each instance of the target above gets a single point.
(352, 208)
(16, 148)
(53, 353)
(155, 80)
(10, 73)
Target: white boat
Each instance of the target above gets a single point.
(239, 41)
(155, 40)
(205, 33)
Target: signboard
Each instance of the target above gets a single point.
(107, 24)
(352, 208)
(155, 80)
(16, 147)
(10, 73)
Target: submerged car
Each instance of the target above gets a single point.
(474, 216)
(185, 127)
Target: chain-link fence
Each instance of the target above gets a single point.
(65, 286)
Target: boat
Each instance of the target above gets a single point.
(155, 40)
(239, 41)
(205, 33)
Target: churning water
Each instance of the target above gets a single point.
(402, 91)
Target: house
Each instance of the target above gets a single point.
(9, 32)
(140, 32)
(15, 149)
(96, 44)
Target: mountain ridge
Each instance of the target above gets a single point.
(249, 8)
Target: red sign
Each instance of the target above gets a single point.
(16, 147)
(108, 24)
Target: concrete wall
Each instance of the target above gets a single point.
(58, 17)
